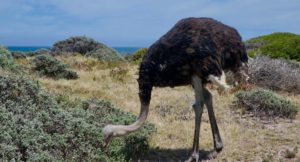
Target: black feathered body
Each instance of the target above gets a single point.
(194, 46)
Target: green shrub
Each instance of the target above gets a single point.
(41, 51)
(37, 126)
(18, 54)
(137, 55)
(264, 103)
(87, 47)
(47, 65)
(6, 59)
(276, 45)
(271, 37)
(79, 44)
(104, 53)
(275, 74)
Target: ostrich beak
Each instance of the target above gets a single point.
(106, 141)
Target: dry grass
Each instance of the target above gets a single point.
(245, 139)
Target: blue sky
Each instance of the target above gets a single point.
(136, 22)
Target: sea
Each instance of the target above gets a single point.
(121, 50)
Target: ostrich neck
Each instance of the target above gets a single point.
(120, 130)
(145, 88)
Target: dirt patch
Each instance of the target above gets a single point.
(179, 113)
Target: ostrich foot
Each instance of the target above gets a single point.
(203, 156)
(212, 155)
(193, 158)
(218, 146)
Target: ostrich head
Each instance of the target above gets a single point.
(110, 131)
(241, 76)
(107, 133)
(240, 71)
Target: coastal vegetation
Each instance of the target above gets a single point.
(40, 126)
(137, 56)
(58, 119)
(276, 45)
(77, 44)
(87, 47)
(6, 59)
(18, 54)
(105, 54)
(265, 103)
(275, 74)
(47, 65)
(41, 51)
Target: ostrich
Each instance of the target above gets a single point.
(195, 51)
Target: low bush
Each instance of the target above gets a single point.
(37, 126)
(264, 103)
(275, 74)
(86, 47)
(276, 45)
(77, 44)
(6, 59)
(104, 53)
(47, 65)
(18, 54)
(137, 55)
(41, 51)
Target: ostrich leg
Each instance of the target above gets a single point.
(198, 108)
(218, 145)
